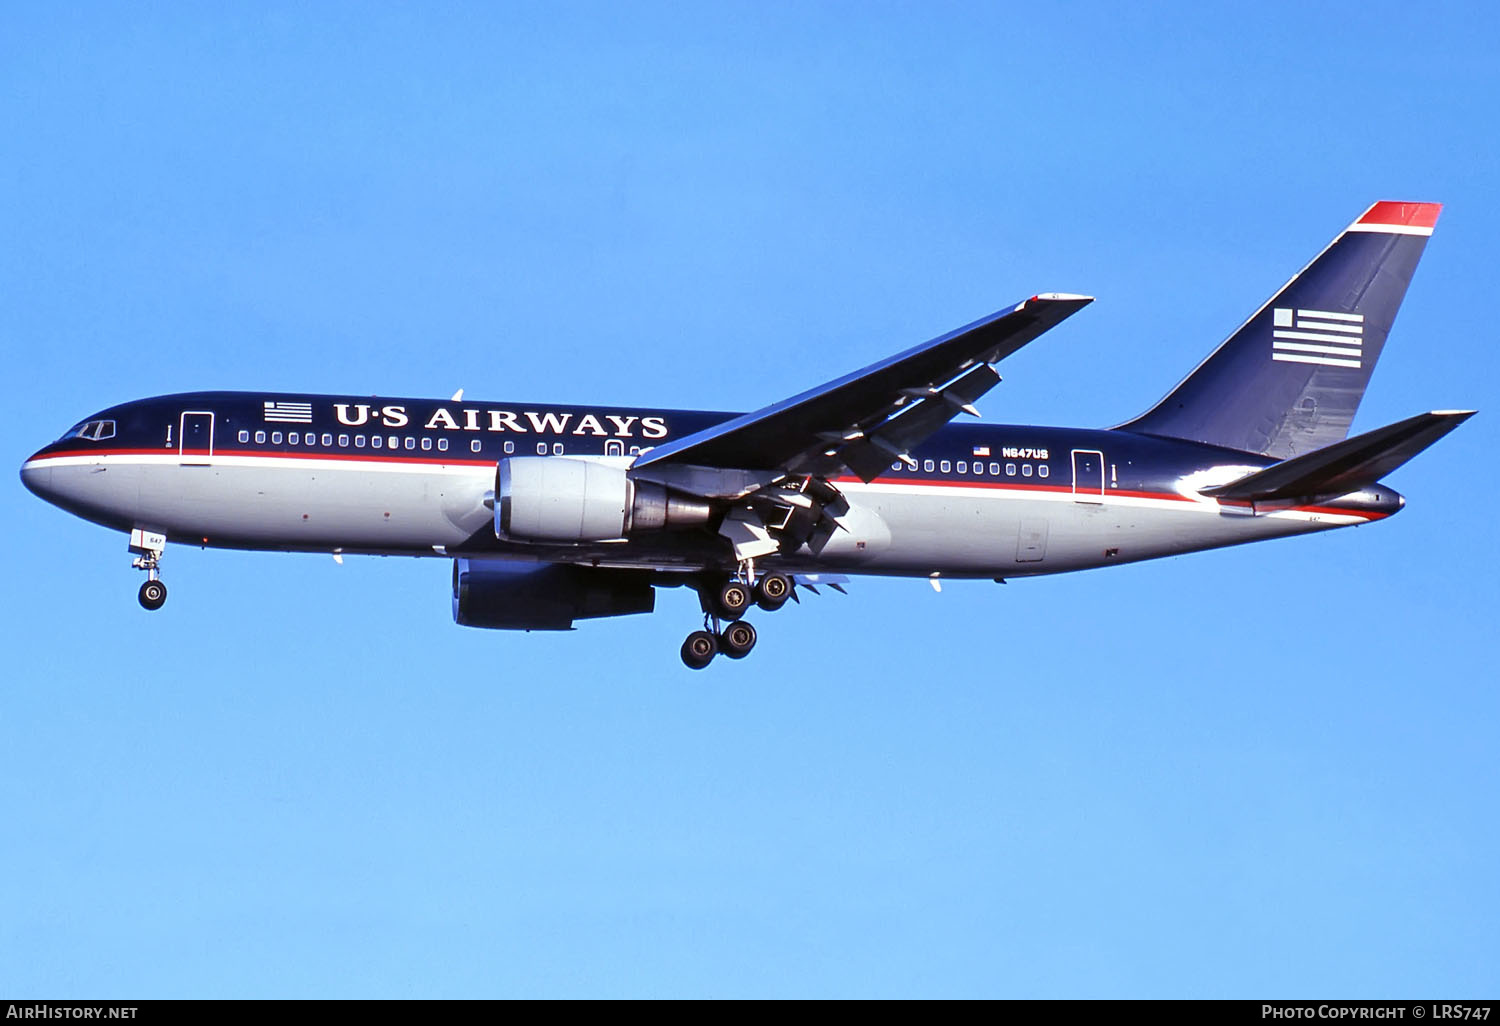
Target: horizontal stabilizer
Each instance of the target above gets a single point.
(1345, 466)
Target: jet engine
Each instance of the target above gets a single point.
(553, 499)
(544, 596)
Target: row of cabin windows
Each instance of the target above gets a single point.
(359, 441)
(391, 442)
(947, 467)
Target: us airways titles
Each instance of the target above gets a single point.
(521, 422)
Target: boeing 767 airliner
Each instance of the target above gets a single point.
(553, 514)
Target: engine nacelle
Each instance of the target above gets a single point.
(553, 499)
(544, 596)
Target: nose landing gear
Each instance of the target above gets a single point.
(148, 547)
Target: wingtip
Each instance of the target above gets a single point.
(1073, 299)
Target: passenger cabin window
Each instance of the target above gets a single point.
(442, 445)
(426, 444)
(994, 470)
(312, 439)
(1010, 470)
(393, 442)
(244, 437)
(411, 443)
(275, 437)
(541, 448)
(928, 466)
(1042, 471)
(1026, 470)
(474, 445)
(945, 466)
(359, 441)
(343, 441)
(376, 441)
(510, 447)
(963, 466)
(327, 439)
(557, 448)
(293, 438)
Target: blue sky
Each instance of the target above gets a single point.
(1261, 771)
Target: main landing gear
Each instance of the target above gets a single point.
(148, 547)
(724, 603)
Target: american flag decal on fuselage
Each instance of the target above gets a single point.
(1317, 336)
(288, 413)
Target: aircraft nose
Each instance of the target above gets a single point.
(37, 477)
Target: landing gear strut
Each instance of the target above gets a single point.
(148, 547)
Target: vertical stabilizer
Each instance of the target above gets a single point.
(1290, 379)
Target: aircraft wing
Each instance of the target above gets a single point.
(869, 418)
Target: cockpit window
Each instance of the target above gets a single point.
(94, 430)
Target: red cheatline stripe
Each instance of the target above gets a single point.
(1015, 486)
(1367, 514)
(1418, 215)
(439, 460)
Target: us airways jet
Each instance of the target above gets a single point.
(553, 514)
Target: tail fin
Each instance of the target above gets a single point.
(1344, 466)
(1290, 379)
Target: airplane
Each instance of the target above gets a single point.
(558, 513)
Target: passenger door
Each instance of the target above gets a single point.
(195, 438)
(1088, 475)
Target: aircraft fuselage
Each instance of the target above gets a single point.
(318, 473)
